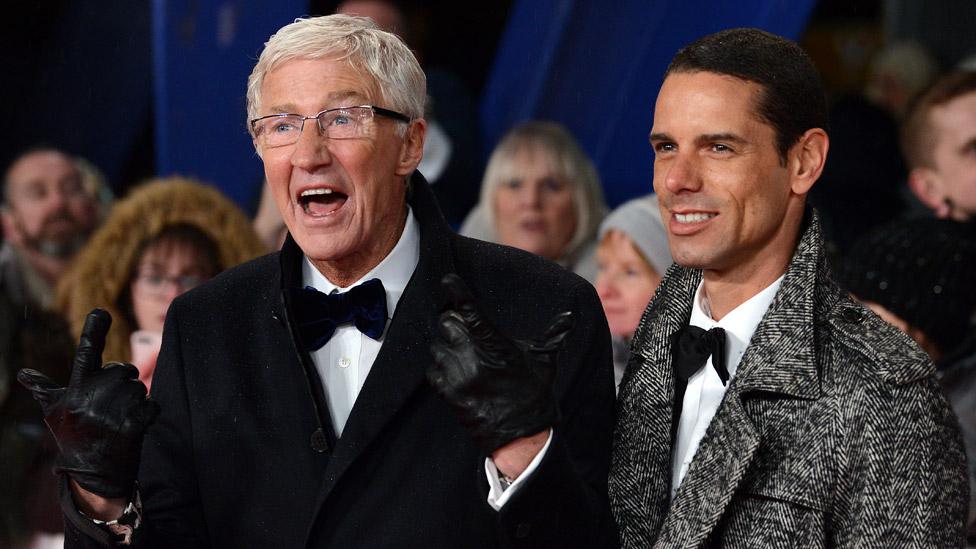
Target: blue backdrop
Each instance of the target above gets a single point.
(203, 52)
(593, 66)
(596, 68)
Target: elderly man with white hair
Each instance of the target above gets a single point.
(380, 382)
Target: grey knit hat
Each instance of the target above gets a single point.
(640, 220)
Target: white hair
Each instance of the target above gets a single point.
(380, 55)
(570, 162)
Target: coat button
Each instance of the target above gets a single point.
(523, 530)
(852, 315)
(318, 441)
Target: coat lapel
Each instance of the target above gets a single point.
(640, 476)
(400, 367)
(781, 361)
(715, 473)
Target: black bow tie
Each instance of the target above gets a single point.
(318, 315)
(690, 348)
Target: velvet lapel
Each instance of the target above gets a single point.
(400, 367)
(780, 361)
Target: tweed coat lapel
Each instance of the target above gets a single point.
(400, 367)
(640, 474)
(780, 360)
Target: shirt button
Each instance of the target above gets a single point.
(344, 362)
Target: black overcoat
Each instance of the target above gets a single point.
(243, 453)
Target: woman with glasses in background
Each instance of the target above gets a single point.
(165, 238)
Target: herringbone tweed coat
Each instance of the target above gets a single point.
(833, 432)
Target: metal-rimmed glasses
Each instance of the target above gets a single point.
(278, 130)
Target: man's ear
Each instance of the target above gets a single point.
(806, 160)
(926, 184)
(412, 150)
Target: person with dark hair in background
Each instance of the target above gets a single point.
(379, 382)
(767, 408)
(939, 141)
(47, 214)
(167, 236)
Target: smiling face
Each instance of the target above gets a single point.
(730, 206)
(344, 201)
(534, 206)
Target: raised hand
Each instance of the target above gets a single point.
(99, 419)
(500, 388)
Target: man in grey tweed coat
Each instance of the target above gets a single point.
(808, 421)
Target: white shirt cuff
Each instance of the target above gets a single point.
(497, 495)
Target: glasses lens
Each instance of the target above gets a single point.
(345, 123)
(276, 131)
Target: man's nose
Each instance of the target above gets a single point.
(681, 173)
(311, 151)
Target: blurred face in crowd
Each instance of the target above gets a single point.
(729, 203)
(534, 207)
(625, 282)
(954, 155)
(383, 12)
(165, 270)
(48, 210)
(343, 200)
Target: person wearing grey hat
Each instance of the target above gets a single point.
(632, 256)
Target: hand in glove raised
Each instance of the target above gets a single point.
(99, 419)
(500, 388)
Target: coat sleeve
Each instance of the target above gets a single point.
(172, 516)
(564, 503)
(906, 483)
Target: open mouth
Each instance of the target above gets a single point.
(321, 202)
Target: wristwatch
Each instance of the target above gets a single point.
(123, 528)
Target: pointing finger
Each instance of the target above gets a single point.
(88, 358)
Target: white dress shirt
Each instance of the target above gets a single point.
(346, 359)
(705, 390)
(344, 362)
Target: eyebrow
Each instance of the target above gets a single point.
(704, 138)
(333, 97)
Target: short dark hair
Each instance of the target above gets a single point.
(793, 99)
(917, 136)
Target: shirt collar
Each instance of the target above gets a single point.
(394, 271)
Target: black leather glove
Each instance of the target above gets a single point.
(99, 419)
(500, 388)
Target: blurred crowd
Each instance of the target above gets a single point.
(898, 203)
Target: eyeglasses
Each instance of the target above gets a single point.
(278, 130)
(157, 285)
